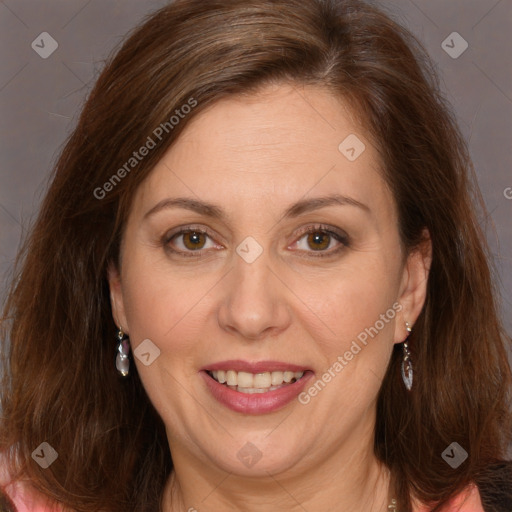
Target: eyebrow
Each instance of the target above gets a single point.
(296, 209)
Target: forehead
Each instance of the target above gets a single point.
(275, 146)
(278, 119)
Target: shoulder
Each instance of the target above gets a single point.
(467, 501)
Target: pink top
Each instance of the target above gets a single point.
(27, 500)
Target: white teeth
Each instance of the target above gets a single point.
(277, 378)
(255, 383)
(288, 376)
(251, 391)
(261, 380)
(245, 379)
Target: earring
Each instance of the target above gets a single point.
(406, 362)
(123, 349)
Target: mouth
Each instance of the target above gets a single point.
(255, 387)
(251, 383)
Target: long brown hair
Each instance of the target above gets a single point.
(59, 381)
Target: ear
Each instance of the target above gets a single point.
(413, 287)
(116, 298)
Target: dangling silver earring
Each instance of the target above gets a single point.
(123, 349)
(406, 362)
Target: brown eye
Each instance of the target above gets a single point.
(319, 240)
(193, 240)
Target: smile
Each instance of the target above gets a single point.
(245, 382)
(255, 387)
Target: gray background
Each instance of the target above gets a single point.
(40, 98)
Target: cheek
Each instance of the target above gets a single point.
(351, 302)
(166, 307)
(166, 310)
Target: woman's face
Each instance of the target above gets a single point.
(248, 289)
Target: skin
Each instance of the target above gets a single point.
(254, 157)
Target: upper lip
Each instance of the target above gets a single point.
(239, 365)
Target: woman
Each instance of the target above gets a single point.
(264, 217)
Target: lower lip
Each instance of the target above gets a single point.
(256, 403)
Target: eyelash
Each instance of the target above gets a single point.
(339, 236)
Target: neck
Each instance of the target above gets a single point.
(360, 484)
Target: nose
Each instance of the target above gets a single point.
(254, 304)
